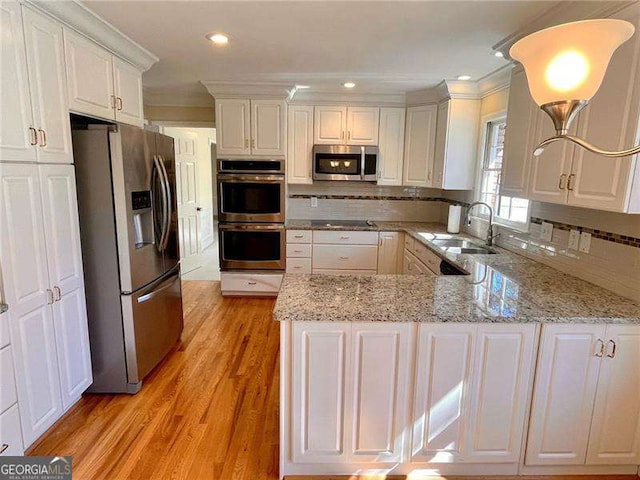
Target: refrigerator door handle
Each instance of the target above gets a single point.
(168, 284)
(165, 215)
(168, 208)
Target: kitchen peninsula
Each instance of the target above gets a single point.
(457, 374)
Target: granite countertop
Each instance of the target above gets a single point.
(503, 287)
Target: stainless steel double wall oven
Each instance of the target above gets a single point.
(251, 214)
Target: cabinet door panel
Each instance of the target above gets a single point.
(319, 391)
(37, 375)
(419, 145)
(610, 121)
(444, 363)
(388, 252)
(22, 247)
(128, 90)
(564, 393)
(15, 137)
(502, 372)
(330, 125)
(233, 129)
(615, 431)
(89, 76)
(381, 362)
(72, 345)
(300, 144)
(518, 143)
(391, 145)
(362, 125)
(62, 226)
(267, 127)
(47, 82)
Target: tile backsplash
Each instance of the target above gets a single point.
(613, 261)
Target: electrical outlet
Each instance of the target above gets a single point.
(314, 202)
(585, 242)
(546, 232)
(574, 240)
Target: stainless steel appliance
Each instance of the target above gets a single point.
(251, 191)
(128, 222)
(355, 163)
(252, 246)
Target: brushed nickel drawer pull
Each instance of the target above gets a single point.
(613, 352)
(119, 103)
(246, 143)
(50, 299)
(4, 448)
(252, 282)
(34, 136)
(570, 182)
(344, 258)
(600, 352)
(43, 140)
(344, 237)
(298, 236)
(561, 184)
(57, 294)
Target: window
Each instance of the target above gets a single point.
(508, 210)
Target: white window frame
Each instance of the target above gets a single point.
(481, 213)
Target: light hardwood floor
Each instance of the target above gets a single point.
(209, 412)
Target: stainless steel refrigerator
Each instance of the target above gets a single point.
(126, 181)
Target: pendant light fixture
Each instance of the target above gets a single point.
(565, 66)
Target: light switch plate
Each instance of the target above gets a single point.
(574, 240)
(585, 242)
(314, 202)
(546, 232)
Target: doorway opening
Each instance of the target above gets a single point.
(197, 203)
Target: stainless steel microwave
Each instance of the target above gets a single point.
(355, 163)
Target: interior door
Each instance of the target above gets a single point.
(17, 137)
(47, 82)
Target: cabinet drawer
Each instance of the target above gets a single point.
(7, 380)
(411, 265)
(299, 236)
(10, 433)
(408, 242)
(298, 265)
(426, 256)
(344, 237)
(4, 330)
(243, 283)
(325, 271)
(299, 250)
(345, 257)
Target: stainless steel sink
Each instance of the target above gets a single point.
(459, 245)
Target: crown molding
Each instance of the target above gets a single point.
(495, 81)
(562, 12)
(171, 97)
(78, 17)
(376, 99)
(227, 89)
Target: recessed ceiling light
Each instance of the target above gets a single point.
(348, 84)
(499, 54)
(302, 87)
(218, 38)
(464, 77)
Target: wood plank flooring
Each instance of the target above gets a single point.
(209, 412)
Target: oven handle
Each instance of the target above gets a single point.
(251, 178)
(250, 226)
(362, 163)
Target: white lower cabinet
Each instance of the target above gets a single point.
(10, 438)
(390, 247)
(586, 405)
(42, 269)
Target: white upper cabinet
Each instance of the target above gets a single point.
(615, 430)
(267, 127)
(456, 147)
(100, 84)
(519, 138)
(300, 144)
(391, 145)
(250, 127)
(17, 137)
(346, 125)
(233, 126)
(419, 145)
(128, 92)
(330, 125)
(362, 125)
(47, 83)
(89, 76)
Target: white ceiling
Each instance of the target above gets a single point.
(383, 46)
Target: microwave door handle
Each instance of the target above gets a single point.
(362, 163)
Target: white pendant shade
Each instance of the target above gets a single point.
(568, 62)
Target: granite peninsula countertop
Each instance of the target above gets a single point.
(504, 287)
